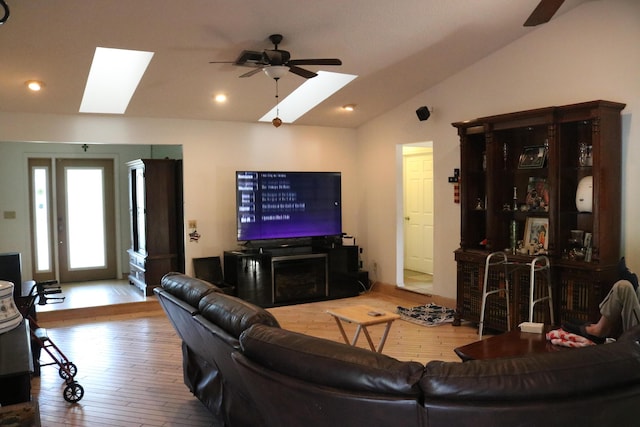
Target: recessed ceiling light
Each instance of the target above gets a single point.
(220, 98)
(34, 85)
(349, 107)
(113, 78)
(311, 93)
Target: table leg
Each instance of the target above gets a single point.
(344, 335)
(357, 334)
(366, 334)
(384, 336)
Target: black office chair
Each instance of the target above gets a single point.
(210, 270)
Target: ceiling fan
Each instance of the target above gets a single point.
(277, 58)
(543, 12)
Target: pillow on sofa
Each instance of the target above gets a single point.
(233, 314)
(186, 288)
(329, 363)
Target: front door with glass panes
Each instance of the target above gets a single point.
(73, 232)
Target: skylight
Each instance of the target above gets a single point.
(113, 78)
(308, 95)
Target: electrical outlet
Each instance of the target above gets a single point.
(193, 223)
(375, 267)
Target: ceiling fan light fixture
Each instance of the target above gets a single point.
(276, 122)
(276, 71)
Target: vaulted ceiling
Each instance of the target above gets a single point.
(398, 49)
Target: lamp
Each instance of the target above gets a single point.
(275, 72)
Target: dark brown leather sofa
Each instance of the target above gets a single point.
(210, 323)
(282, 378)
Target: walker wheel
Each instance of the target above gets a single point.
(73, 392)
(68, 371)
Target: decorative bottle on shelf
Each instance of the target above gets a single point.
(513, 233)
(515, 198)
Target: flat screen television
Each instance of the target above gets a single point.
(286, 205)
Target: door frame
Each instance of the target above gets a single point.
(42, 158)
(400, 215)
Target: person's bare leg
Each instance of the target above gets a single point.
(601, 329)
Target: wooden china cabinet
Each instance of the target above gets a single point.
(502, 159)
(155, 207)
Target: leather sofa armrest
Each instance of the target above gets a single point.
(330, 363)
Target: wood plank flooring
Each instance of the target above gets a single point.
(130, 365)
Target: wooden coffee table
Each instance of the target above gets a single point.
(509, 344)
(363, 316)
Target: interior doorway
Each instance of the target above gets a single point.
(418, 217)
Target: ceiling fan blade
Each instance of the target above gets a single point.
(252, 72)
(543, 12)
(301, 72)
(249, 57)
(276, 57)
(318, 61)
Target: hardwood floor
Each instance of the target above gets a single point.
(130, 365)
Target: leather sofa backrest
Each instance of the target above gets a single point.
(233, 314)
(187, 288)
(330, 363)
(575, 372)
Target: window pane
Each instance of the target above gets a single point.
(85, 218)
(41, 218)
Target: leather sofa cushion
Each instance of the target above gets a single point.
(330, 363)
(233, 314)
(568, 373)
(187, 288)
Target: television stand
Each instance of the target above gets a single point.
(291, 275)
(299, 277)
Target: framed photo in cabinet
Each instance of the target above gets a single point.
(533, 157)
(536, 234)
(537, 194)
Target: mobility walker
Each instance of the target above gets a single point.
(67, 370)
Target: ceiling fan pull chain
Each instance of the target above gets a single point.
(277, 121)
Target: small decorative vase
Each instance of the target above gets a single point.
(10, 316)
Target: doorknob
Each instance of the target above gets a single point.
(406, 218)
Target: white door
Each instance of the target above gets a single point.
(418, 211)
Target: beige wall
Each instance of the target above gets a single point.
(588, 53)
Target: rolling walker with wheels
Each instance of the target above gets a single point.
(67, 370)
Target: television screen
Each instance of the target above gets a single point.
(284, 205)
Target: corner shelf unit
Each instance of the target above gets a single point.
(499, 153)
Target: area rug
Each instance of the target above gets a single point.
(20, 415)
(427, 315)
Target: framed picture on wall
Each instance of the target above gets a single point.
(533, 157)
(536, 233)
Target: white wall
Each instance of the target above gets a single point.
(212, 152)
(587, 54)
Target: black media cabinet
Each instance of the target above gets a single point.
(276, 276)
